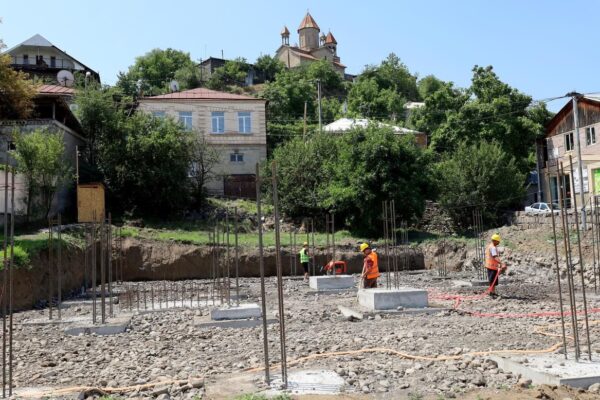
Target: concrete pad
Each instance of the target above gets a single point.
(391, 299)
(580, 374)
(115, 326)
(411, 311)
(55, 321)
(350, 314)
(204, 323)
(331, 282)
(317, 382)
(243, 311)
(480, 283)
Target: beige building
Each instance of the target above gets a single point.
(311, 47)
(234, 124)
(560, 142)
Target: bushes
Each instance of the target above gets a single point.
(481, 175)
(351, 174)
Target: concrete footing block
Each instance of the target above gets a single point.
(204, 323)
(331, 282)
(114, 327)
(552, 369)
(243, 311)
(391, 299)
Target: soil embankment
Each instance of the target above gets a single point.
(155, 260)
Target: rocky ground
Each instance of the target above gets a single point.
(168, 347)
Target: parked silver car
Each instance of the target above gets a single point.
(541, 208)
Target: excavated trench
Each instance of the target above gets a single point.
(157, 260)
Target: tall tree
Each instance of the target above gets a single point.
(488, 110)
(480, 175)
(381, 91)
(16, 91)
(428, 85)
(153, 71)
(232, 74)
(40, 158)
(100, 115)
(268, 66)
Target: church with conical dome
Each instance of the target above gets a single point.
(312, 46)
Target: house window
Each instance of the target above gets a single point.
(25, 59)
(185, 119)
(245, 122)
(158, 114)
(218, 121)
(53, 62)
(590, 136)
(569, 143)
(236, 157)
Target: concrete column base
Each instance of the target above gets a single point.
(391, 299)
(331, 282)
(243, 311)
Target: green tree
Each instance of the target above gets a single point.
(17, 91)
(302, 172)
(372, 165)
(101, 110)
(146, 165)
(479, 175)
(40, 158)
(232, 74)
(268, 66)
(368, 99)
(429, 85)
(204, 157)
(331, 80)
(489, 110)
(188, 77)
(154, 70)
(287, 95)
(381, 91)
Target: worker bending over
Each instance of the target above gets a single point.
(493, 263)
(304, 259)
(370, 271)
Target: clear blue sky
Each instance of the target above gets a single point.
(544, 48)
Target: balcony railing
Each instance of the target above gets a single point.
(43, 63)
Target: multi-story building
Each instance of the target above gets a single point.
(559, 145)
(51, 113)
(312, 47)
(235, 124)
(38, 57)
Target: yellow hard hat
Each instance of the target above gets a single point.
(496, 237)
(364, 246)
(305, 244)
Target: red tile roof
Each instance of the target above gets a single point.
(308, 22)
(330, 38)
(201, 94)
(56, 89)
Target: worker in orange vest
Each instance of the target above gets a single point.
(493, 263)
(370, 271)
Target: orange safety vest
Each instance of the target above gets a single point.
(491, 262)
(373, 271)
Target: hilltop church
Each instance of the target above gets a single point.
(312, 47)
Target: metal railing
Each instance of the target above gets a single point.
(43, 62)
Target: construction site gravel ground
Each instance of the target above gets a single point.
(166, 346)
(391, 355)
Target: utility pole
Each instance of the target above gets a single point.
(77, 163)
(575, 97)
(319, 99)
(304, 133)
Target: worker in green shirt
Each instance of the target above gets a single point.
(304, 259)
